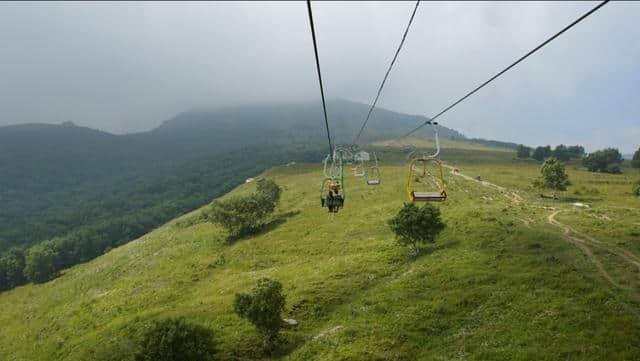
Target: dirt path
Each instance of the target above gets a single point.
(629, 257)
(513, 196)
(582, 241)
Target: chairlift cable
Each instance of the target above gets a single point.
(584, 16)
(315, 49)
(395, 56)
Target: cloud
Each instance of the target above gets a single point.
(128, 66)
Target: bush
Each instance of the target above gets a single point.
(263, 308)
(268, 189)
(239, 215)
(554, 175)
(243, 215)
(175, 339)
(606, 161)
(636, 188)
(413, 225)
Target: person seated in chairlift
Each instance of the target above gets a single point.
(334, 188)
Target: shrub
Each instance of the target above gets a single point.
(268, 189)
(239, 215)
(242, 215)
(636, 188)
(413, 225)
(263, 308)
(174, 339)
(554, 175)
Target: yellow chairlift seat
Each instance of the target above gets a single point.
(431, 196)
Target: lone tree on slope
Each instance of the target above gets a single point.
(413, 225)
(242, 215)
(263, 307)
(174, 339)
(553, 175)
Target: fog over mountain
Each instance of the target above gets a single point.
(127, 67)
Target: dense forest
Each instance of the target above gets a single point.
(71, 193)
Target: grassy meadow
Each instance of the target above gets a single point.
(512, 277)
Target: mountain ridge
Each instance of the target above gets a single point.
(345, 118)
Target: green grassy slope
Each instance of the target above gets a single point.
(500, 283)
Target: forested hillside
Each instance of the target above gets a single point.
(77, 192)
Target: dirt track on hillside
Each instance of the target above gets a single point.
(582, 241)
(513, 196)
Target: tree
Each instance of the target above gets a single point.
(523, 151)
(540, 153)
(576, 151)
(11, 267)
(242, 215)
(554, 175)
(607, 161)
(413, 225)
(174, 339)
(263, 308)
(271, 192)
(40, 263)
(635, 161)
(561, 153)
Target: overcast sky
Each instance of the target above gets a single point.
(125, 67)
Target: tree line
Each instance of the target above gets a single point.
(608, 160)
(561, 152)
(190, 186)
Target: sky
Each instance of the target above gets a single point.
(126, 67)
